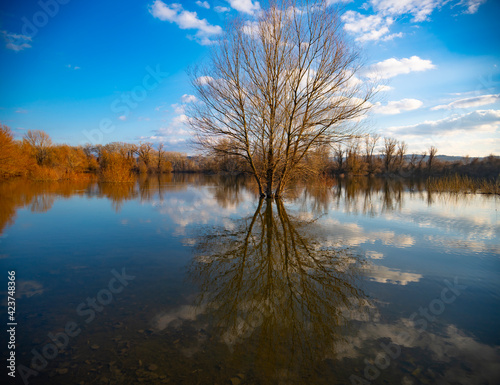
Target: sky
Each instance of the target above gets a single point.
(105, 71)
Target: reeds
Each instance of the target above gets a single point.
(463, 184)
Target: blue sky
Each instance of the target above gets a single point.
(88, 71)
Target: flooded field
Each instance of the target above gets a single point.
(191, 279)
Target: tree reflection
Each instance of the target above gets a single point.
(42, 203)
(117, 193)
(278, 296)
(39, 196)
(371, 196)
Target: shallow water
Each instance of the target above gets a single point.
(190, 279)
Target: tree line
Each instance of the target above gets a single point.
(38, 158)
(35, 156)
(386, 156)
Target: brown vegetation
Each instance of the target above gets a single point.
(463, 184)
(120, 162)
(360, 156)
(14, 158)
(37, 158)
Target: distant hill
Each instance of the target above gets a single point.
(447, 158)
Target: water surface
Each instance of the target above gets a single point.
(343, 282)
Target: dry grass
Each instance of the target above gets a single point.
(463, 184)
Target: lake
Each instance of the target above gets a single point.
(191, 279)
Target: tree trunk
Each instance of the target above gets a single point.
(270, 175)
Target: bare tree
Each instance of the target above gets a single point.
(338, 153)
(41, 144)
(145, 152)
(421, 160)
(412, 163)
(432, 153)
(400, 153)
(354, 164)
(160, 157)
(278, 88)
(389, 151)
(370, 144)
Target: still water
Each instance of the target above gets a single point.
(191, 279)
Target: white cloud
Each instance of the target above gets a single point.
(16, 42)
(171, 131)
(372, 27)
(203, 4)
(245, 6)
(163, 12)
(376, 27)
(179, 108)
(480, 120)
(220, 9)
(122, 118)
(396, 107)
(164, 139)
(462, 93)
(392, 36)
(202, 80)
(380, 35)
(189, 98)
(419, 9)
(174, 13)
(393, 67)
(353, 81)
(180, 119)
(469, 102)
(189, 20)
(472, 5)
(176, 135)
(21, 111)
(383, 88)
(251, 28)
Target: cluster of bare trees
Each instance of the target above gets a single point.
(37, 157)
(372, 154)
(143, 157)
